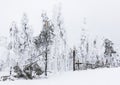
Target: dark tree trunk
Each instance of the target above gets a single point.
(46, 62)
(73, 60)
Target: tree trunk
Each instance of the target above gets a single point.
(73, 60)
(46, 62)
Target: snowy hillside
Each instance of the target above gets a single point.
(59, 42)
(89, 77)
(24, 55)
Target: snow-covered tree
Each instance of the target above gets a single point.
(83, 49)
(26, 34)
(26, 45)
(60, 45)
(109, 52)
(21, 46)
(45, 39)
(14, 43)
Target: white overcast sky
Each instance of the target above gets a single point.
(102, 16)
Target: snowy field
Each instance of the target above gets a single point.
(89, 77)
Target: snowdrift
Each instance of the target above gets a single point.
(105, 76)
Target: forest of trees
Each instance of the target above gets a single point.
(31, 56)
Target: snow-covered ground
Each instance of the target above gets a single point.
(103, 76)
